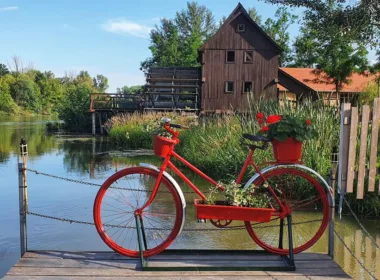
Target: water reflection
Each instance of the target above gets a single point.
(87, 159)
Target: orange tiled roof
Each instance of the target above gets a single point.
(318, 80)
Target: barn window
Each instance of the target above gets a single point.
(240, 27)
(229, 87)
(248, 57)
(247, 87)
(230, 56)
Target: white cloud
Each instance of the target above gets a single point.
(6, 9)
(124, 26)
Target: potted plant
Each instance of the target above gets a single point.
(236, 203)
(163, 142)
(287, 134)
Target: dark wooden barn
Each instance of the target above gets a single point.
(239, 59)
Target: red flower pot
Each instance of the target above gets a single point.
(162, 145)
(220, 211)
(288, 151)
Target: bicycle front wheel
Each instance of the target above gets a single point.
(308, 203)
(114, 212)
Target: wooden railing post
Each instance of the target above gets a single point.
(334, 168)
(23, 195)
(343, 150)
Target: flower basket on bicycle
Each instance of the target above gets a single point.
(221, 211)
(287, 133)
(289, 150)
(163, 145)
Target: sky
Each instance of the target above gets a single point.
(103, 37)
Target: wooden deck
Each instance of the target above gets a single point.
(103, 265)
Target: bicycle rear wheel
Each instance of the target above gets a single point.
(308, 203)
(115, 205)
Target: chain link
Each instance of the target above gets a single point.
(91, 184)
(164, 229)
(353, 255)
(360, 224)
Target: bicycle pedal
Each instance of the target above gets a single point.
(202, 221)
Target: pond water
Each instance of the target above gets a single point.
(87, 159)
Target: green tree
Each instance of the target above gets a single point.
(339, 58)
(306, 48)
(26, 93)
(254, 15)
(360, 20)
(3, 70)
(176, 42)
(84, 78)
(100, 83)
(6, 101)
(278, 31)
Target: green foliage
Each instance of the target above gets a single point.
(6, 101)
(100, 83)
(371, 91)
(176, 42)
(3, 70)
(359, 20)
(306, 48)
(291, 126)
(278, 31)
(237, 195)
(26, 93)
(73, 108)
(130, 90)
(215, 148)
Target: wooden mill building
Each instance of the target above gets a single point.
(240, 58)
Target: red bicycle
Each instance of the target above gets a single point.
(152, 194)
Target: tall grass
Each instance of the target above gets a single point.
(215, 147)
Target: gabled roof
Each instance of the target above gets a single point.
(240, 10)
(318, 81)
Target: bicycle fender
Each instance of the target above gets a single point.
(300, 166)
(177, 187)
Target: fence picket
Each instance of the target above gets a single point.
(352, 149)
(374, 141)
(363, 151)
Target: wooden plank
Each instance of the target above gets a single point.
(157, 277)
(100, 272)
(374, 141)
(172, 254)
(363, 151)
(368, 252)
(352, 149)
(344, 145)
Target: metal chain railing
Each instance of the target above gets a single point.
(89, 183)
(155, 228)
(353, 255)
(360, 224)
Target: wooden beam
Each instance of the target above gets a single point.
(363, 151)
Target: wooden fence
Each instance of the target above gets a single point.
(358, 152)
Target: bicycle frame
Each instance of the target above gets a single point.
(168, 163)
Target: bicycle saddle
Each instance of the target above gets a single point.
(256, 138)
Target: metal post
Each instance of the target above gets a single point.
(334, 168)
(280, 245)
(23, 195)
(100, 123)
(93, 124)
